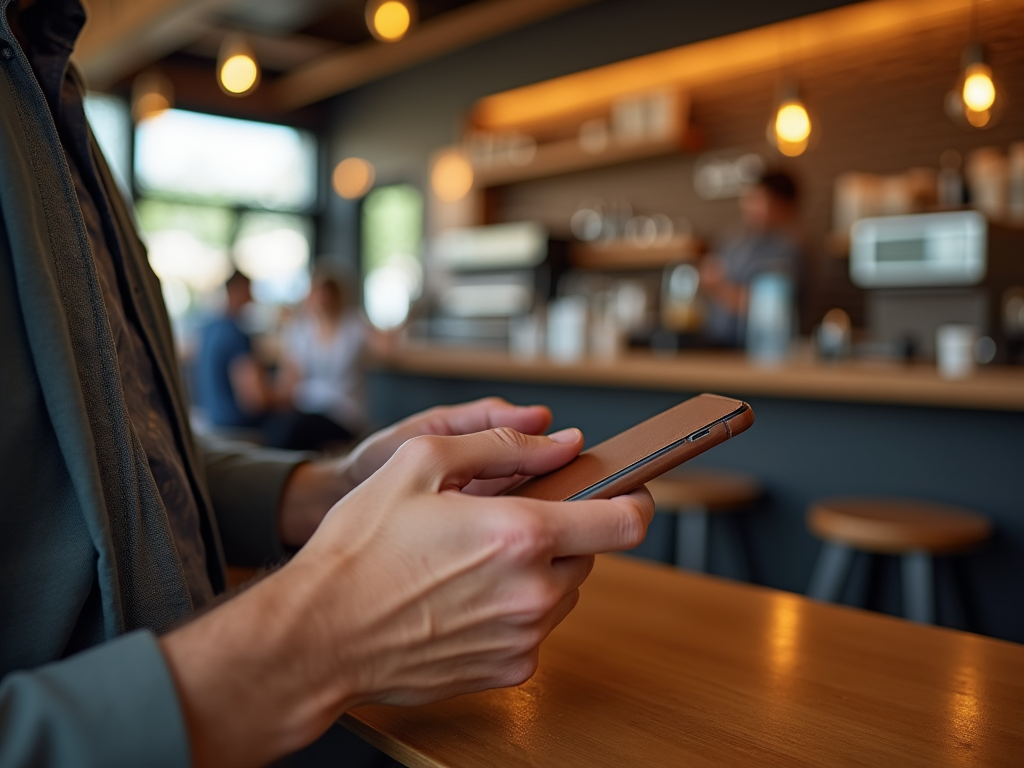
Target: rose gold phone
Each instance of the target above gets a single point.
(625, 462)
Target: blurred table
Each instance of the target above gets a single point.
(991, 388)
(660, 668)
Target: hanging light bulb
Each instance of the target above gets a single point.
(390, 20)
(238, 72)
(790, 127)
(975, 100)
(152, 95)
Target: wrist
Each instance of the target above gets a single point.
(254, 676)
(312, 489)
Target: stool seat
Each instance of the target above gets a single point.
(896, 526)
(704, 489)
(692, 495)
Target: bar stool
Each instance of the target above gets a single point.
(911, 529)
(693, 495)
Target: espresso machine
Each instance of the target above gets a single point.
(481, 278)
(923, 271)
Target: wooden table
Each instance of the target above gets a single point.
(728, 373)
(660, 668)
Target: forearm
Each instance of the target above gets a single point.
(252, 683)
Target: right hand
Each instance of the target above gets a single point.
(410, 591)
(447, 593)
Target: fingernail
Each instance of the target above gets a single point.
(570, 435)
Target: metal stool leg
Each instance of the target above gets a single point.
(918, 587)
(692, 538)
(830, 572)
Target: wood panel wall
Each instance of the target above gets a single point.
(878, 110)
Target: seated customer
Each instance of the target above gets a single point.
(768, 241)
(231, 388)
(321, 372)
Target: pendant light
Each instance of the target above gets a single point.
(152, 95)
(390, 20)
(238, 72)
(975, 100)
(789, 130)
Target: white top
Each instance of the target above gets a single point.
(330, 373)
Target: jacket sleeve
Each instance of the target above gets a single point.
(245, 483)
(113, 705)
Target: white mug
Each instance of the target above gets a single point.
(954, 350)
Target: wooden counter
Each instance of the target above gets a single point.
(999, 389)
(660, 668)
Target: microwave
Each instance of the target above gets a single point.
(919, 251)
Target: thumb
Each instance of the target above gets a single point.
(451, 463)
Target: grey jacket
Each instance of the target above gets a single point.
(85, 551)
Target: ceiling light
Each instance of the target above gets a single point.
(352, 178)
(975, 100)
(390, 20)
(152, 95)
(238, 72)
(451, 178)
(790, 128)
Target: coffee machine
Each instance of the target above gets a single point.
(926, 270)
(483, 277)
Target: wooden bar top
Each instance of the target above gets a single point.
(656, 667)
(728, 373)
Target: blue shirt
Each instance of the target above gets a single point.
(221, 343)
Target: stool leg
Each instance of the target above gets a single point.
(830, 571)
(692, 538)
(918, 587)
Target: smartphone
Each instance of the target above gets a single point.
(625, 462)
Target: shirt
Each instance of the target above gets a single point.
(221, 342)
(742, 258)
(146, 400)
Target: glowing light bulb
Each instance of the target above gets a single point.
(390, 20)
(352, 178)
(238, 74)
(452, 176)
(979, 90)
(792, 123)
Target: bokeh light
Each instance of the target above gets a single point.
(452, 176)
(238, 74)
(390, 21)
(353, 177)
(979, 90)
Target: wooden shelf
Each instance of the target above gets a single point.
(619, 255)
(567, 156)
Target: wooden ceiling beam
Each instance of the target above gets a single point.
(343, 70)
(123, 36)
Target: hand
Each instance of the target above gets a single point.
(410, 591)
(313, 488)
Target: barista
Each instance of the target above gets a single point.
(767, 241)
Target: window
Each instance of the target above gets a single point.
(216, 194)
(392, 229)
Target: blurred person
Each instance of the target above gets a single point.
(321, 370)
(232, 389)
(117, 522)
(768, 240)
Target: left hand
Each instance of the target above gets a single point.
(315, 487)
